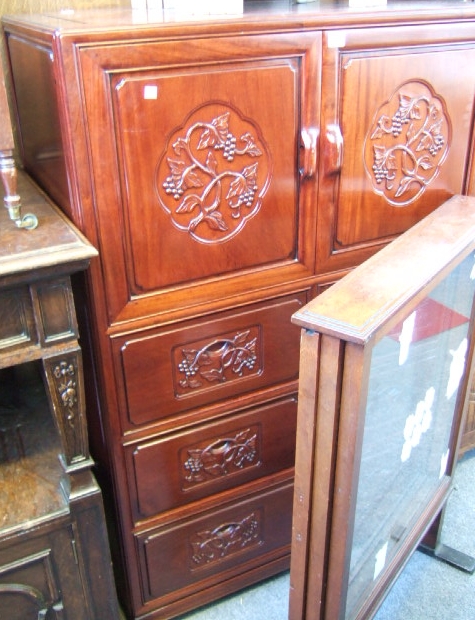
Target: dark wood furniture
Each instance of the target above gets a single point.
(54, 551)
(228, 169)
(385, 362)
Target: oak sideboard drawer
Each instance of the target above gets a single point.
(216, 545)
(173, 370)
(219, 455)
(37, 315)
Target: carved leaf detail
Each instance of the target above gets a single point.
(216, 221)
(177, 167)
(379, 129)
(403, 185)
(251, 148)
(425, 163)
(191, 179)
(215, 134)
(244, 182)
(241, 337)
(179, 145)
(211, 162)
(237, 187)
(189, 203)
(212, 375)
(379, 154)
(222, 125)
(405, 106)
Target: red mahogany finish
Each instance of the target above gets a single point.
(228, 169)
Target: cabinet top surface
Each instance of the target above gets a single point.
(358, 305)
(246, 15)
(55, 241)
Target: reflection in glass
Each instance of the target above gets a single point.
(414, 375)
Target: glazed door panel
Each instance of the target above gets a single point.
(398, 137)
(206, 179)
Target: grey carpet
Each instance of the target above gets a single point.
(427, 589)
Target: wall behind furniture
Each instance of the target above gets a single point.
(10, 7)
(39, 6)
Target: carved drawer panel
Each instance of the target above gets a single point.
(174, 370)
(213, 545)
(188, 466)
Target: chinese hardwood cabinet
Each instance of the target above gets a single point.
(228, 169)
(385, 362)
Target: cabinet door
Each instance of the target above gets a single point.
(195, 151)
(396, 130)
(39, 578)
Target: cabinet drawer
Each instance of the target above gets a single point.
(174, 370)
(215, 546)
(40, 314)
(185, 467)
(17, 323)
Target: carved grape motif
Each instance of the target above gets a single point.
(214, 174)
(211, 362)
(407, 143)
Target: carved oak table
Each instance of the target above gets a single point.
(54, 554)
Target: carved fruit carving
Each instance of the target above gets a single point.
(212, 545)
(214, 173)
(210, 363)
(408, 143)
(221, 456)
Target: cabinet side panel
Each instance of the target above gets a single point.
(38, 118)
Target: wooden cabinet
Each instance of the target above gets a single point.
(396, 119)
(54, 551)
(224, 168)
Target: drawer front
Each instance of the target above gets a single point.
(185, 467)
(55, 313)
(17, 323)
(42, 314)
(214, 546)
(172, 371)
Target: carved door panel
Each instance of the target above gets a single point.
(396, 129)
(206, 187)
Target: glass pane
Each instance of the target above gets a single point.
(414, 377)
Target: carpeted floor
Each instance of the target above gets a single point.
(427, 589)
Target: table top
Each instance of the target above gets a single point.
(54, 242)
